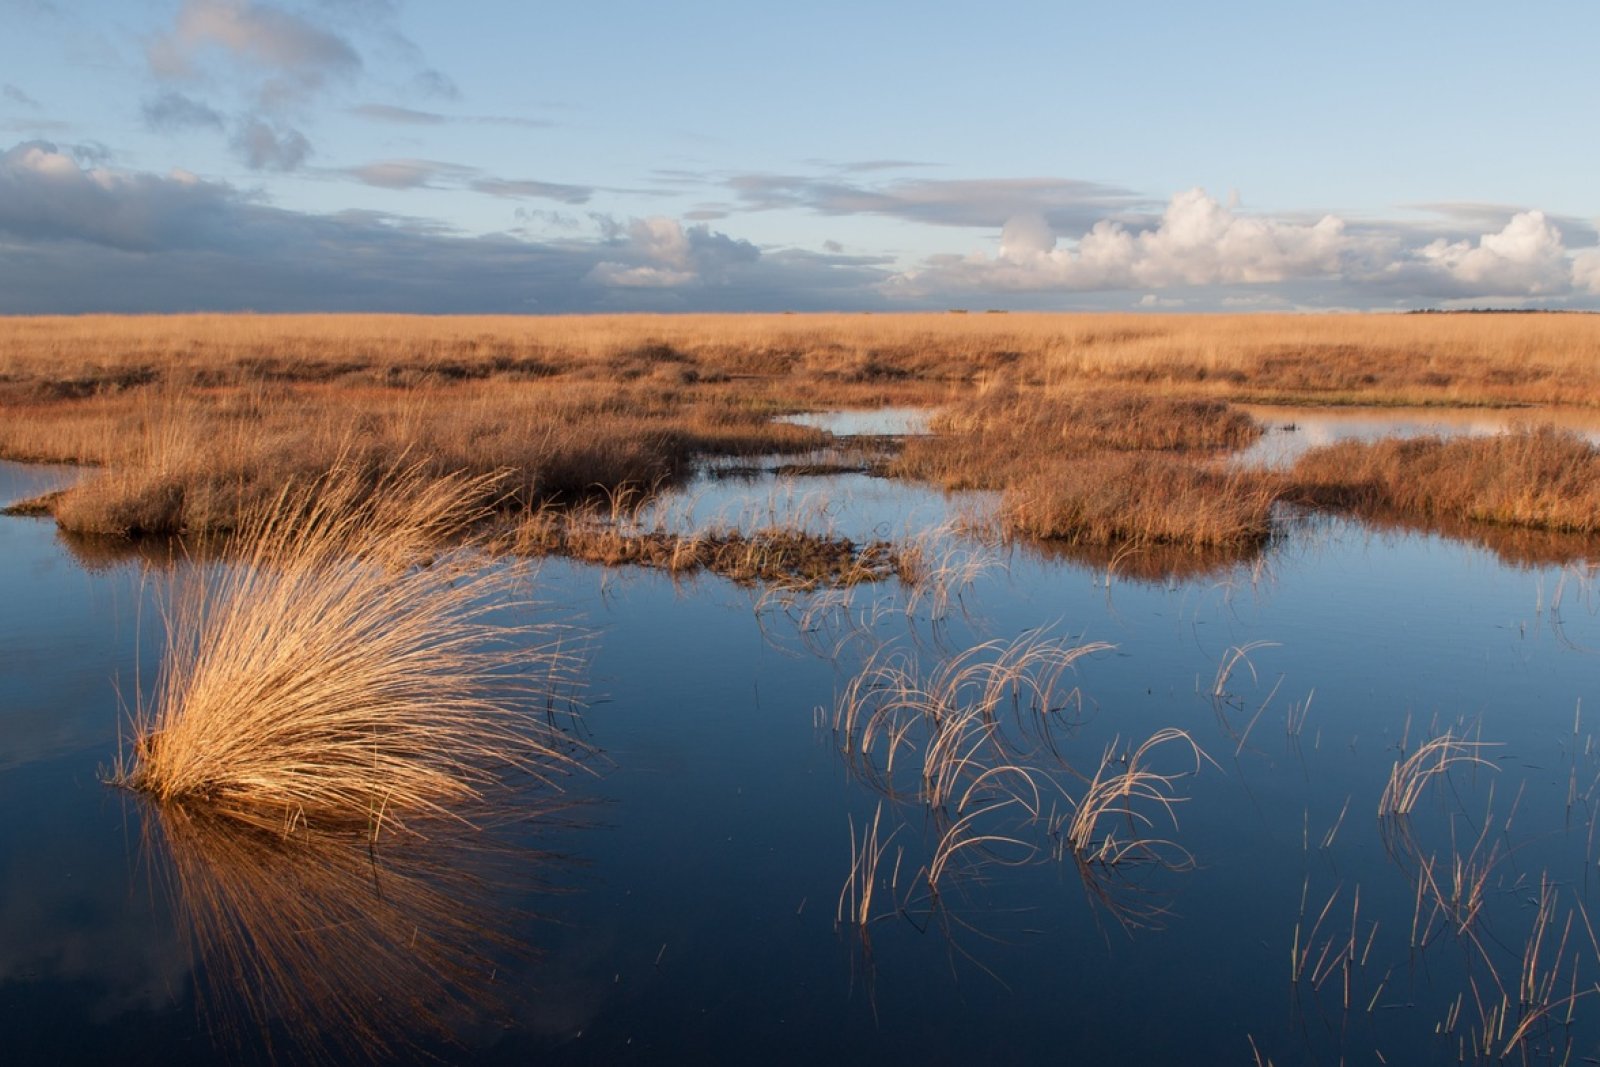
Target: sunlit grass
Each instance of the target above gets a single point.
(342, 668)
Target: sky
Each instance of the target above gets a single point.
(406, 155)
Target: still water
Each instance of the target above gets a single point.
(682, 904)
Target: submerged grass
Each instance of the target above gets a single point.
(343, 670)
(1126, 788)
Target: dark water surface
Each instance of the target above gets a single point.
(691, 914)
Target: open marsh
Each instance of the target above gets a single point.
(683, 904)
(1016, 803)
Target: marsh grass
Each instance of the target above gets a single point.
(991, 438)
(784, 554)
(197, 420)
(1410, 777)
(345, 669)
(1536, 477)
(1455, 359)
(1142, 499)
(1125, 788)
(201, 461)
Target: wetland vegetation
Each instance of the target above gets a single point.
(883, 732)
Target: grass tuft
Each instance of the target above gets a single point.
(1537, 477)
(343, 670)
(1141, 499)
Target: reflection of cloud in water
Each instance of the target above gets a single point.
(70, 916)
(881, 422)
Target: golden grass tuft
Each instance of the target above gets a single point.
(1125, 787)
(1142, 499)
(330, 675)
(1538, 477)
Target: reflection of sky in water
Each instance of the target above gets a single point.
(1280, 445)
(19, 481)
(857, 506)
(708, 876)
(879, 422)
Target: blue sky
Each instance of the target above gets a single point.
(388, 155)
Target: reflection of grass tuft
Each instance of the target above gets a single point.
(354, 953)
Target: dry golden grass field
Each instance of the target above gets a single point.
(195, 419)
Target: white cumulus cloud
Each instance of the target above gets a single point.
(1198, 241)
(1586, 271)
(660, 253)
(1526, 258)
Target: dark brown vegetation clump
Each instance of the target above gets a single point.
(779, 555)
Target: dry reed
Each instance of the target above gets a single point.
(1124, 786)
(1409, 777)
(855, 898)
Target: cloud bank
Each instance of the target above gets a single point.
(76, 237)
(77, 234)
(1198, 242)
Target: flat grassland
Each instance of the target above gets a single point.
(196, 418)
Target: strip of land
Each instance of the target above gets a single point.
(1094, 429)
